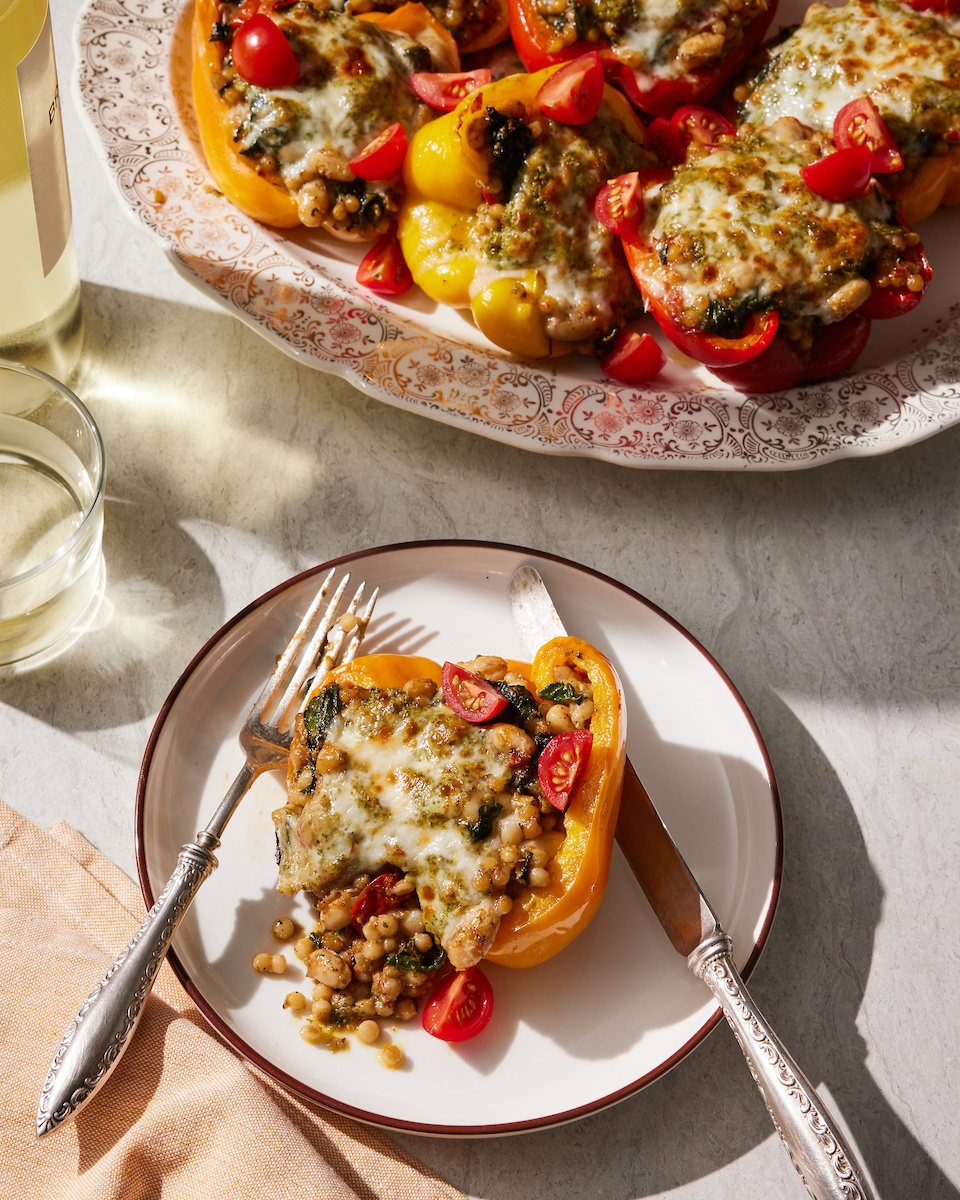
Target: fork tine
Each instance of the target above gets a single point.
(349, 650)
(292, 648)
(337, 649)
(306, 656)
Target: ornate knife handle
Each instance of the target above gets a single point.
(810, 1133)
(98, 1035)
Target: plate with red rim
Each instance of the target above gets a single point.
(611, 1013)
(299, 290)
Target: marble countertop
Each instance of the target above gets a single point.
(828, 595)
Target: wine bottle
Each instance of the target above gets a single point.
(40, 311)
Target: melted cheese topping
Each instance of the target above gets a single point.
(402, 796)
(548, 225)
(907, 62)
(738, 231)
(354, 82)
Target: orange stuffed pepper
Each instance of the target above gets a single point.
(304, 112)
(446, 815)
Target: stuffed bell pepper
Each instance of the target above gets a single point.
(305, 112)
(498, 216)
(446, 815)
(873, 72)
(765, 257)
(661, 55)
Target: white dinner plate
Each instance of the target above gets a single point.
(605, 1017)
(300, 291)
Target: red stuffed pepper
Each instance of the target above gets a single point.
(752, 272)
(664, 56)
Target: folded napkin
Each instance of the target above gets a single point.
(182, 1116)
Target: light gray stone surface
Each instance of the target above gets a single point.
(829, 596)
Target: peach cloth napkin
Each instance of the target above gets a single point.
(182, 1116)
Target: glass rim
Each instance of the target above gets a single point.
(99, 466)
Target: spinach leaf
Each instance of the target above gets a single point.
(409, 958)
(320, 713)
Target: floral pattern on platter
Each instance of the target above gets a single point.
(133, 80)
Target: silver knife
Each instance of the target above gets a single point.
(814, 1141)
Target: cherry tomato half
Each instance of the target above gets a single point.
(470, 696)
(459, 1007)
(444, 90)
(633, 358)
(694, 123)
(560, 762)
(619, 203)
(572, 95)
(377, 897)
(383, 157)
(860, 124)
(384, 270)
(842, 175)
(262, 55)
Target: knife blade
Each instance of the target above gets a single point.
(669, 885)
(811, 1134)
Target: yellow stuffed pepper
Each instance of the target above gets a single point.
(304, 112)
(480, 796)
(498, 215)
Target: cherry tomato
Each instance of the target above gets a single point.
(860, 124)
(842, 175)
(459, 1007)
(384, 269)
(377, 897)
(633, 358)
(573, 94)
(445, 90)
(470, 696)
(694, 123)
(383, 157)
(262, 55)
(560, 762)
(619, 203)
(893, 301)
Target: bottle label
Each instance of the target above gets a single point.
(43, 129)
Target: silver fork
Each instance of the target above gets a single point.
(97, 1036)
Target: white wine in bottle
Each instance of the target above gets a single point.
(40, 314)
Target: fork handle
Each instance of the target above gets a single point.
(97, 1036)
(809, 1131)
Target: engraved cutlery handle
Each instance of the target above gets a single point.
(98, 1035)
(809, 1131)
